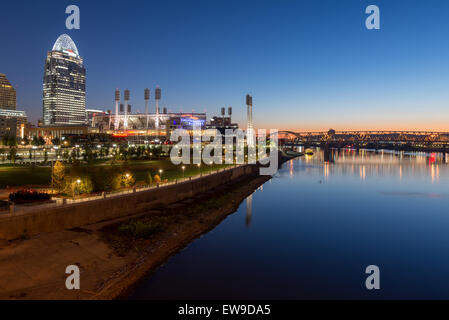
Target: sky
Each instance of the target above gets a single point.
(310, 65)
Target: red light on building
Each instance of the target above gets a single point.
(120, 135)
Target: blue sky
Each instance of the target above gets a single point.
(310, 65)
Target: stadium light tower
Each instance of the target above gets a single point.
(223, 114)
(158, 96)
(147, 99)
(127, 96)
(117, 118)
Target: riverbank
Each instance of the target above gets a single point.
(25, 222)
(34, 268)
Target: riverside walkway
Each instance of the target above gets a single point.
(15, 210)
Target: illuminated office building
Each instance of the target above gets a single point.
(64, 97)
(12, 121)
(7, 94)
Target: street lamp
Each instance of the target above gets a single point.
(183, 172)
(199, 167)
(160, 173)
(78, 182)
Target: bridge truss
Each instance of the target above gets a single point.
(365, 137)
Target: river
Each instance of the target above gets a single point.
(311, 231)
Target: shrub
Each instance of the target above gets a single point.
(157, 179)
(149, 178)
(28, 196)
(140, 230)
(103, 178)
(123, 180)
(84, 186)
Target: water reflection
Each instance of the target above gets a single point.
(321, 221)
(369, 163)
(249, 210)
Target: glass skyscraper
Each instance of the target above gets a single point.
(64, 98)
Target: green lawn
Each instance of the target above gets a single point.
(21, 176)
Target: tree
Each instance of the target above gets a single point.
(78, 185)
(106, 150)
(157, 152)
(123, 180)
(38, 141)
(139, 152)
(25, 141)
(132, 151)
(88, 155)
(123, 151)
(35, 141)
(13, 154)
(58, 176)
(11, 141)
(149, 178)
(157, 179)
(56, 141)
(5, 140)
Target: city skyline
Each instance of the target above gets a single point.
(322, 69)
(205, 153)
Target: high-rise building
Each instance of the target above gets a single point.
(7, 94)
(64, 98)
(11, 120)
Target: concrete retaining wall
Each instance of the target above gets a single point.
(81, 214)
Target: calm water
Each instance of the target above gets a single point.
(312, 230)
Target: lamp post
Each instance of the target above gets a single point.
(160, 173)
(199, 167)
(52, 168)
(78, 183)
(183, 172)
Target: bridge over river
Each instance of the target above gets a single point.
(413, 140)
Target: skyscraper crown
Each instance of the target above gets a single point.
(65, 44)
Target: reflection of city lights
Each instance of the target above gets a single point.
(326, 170)
(435, 173)
(363, 172)
(402, 165)
(432, 158)
(291, 168)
